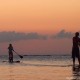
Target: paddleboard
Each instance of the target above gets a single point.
(12, 62)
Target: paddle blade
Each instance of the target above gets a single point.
(20, 56)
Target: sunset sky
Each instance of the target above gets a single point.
(39, 26)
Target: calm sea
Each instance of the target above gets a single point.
(42, 60)
(48, 67)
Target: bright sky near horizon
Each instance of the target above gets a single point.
(41, 16)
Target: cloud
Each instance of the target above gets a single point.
(63, 34)
(16, 36)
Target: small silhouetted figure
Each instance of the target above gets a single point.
(75, 48)
(10, 48)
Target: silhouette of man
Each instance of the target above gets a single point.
(75, 48)
(10, 48)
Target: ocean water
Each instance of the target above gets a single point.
(42, 60)
(48, 67)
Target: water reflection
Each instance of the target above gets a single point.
(76, 72)
(11, 72)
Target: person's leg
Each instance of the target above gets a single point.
(74, 61)
(79, 61)
(12, 59)
(9, 57)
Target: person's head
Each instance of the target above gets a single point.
(77, 34)
(10, 44)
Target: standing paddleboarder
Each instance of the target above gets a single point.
(10, 48)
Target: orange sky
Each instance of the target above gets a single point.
(45, 16)
(42, 16)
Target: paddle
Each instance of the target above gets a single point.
(18, 54)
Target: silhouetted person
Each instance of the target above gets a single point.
(10, 48)
(75, 48)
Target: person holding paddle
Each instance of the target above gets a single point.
(75, 48)
(10, 48)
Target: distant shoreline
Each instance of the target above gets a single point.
(46, 55)
(43, 55)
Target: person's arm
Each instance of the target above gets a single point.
(79, 41)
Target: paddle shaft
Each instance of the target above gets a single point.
(18, 54)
